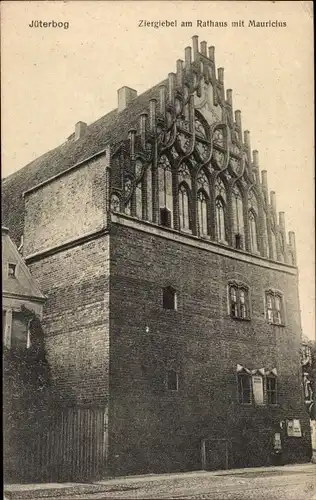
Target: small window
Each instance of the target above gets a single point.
(12, 270)
(169, 298)
(239, 301)
(271, 390)
(244, 388)
(165, 217)
(274, 308)
(172, 380)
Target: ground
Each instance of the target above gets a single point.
(296, 482)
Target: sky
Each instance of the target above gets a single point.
(55, 77)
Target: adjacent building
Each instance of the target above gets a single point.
(20, 292)
(172, 320)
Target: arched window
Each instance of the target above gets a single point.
(274, 247)
(281, 246)
(220, 219)
(184, 208)
(238, 217)
(128, 185)
(139, 201)
(253, 230)
(220, 208)
(149, 194)
(265, 232)
(202, 208)
(253, 220)
(165, 186)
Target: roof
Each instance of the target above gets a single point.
(111, 128)
(23, 283)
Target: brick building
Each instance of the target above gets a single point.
(172, 320)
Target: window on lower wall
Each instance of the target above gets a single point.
(244, 388)
(258, 386)
(172, 380)
(274, 308)
(271, 390)
(239, 301)
(169, 298)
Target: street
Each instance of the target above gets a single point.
(297, 482)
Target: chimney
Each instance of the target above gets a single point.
(195, 40)
(255, 156)
(187, 57)
(211, 53)
(220, 74)
(125, 96)
(203, 46)
(229, 97)
(80, 130)
(273, 201)
(264, 179)
(238, 123)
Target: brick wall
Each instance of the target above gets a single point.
(74, 277)
(66, 208)
(76, 320)
(155, 430)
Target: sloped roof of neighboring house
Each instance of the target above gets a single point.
(111, 128)
(22, 284)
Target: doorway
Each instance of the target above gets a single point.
(215, 454)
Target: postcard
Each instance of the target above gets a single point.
(158, 232)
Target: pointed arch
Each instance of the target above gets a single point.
(220, 189)
(221, 225)
(128, 188)
(139, 200)
(149, 193)
(165, 189)
(202, 181)
(238, 217)
(273, 254)
(253, 230)
(184, 198)
(220, 210)
(253, 216)
(281, 244)
(203, 213)
(184, 175)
